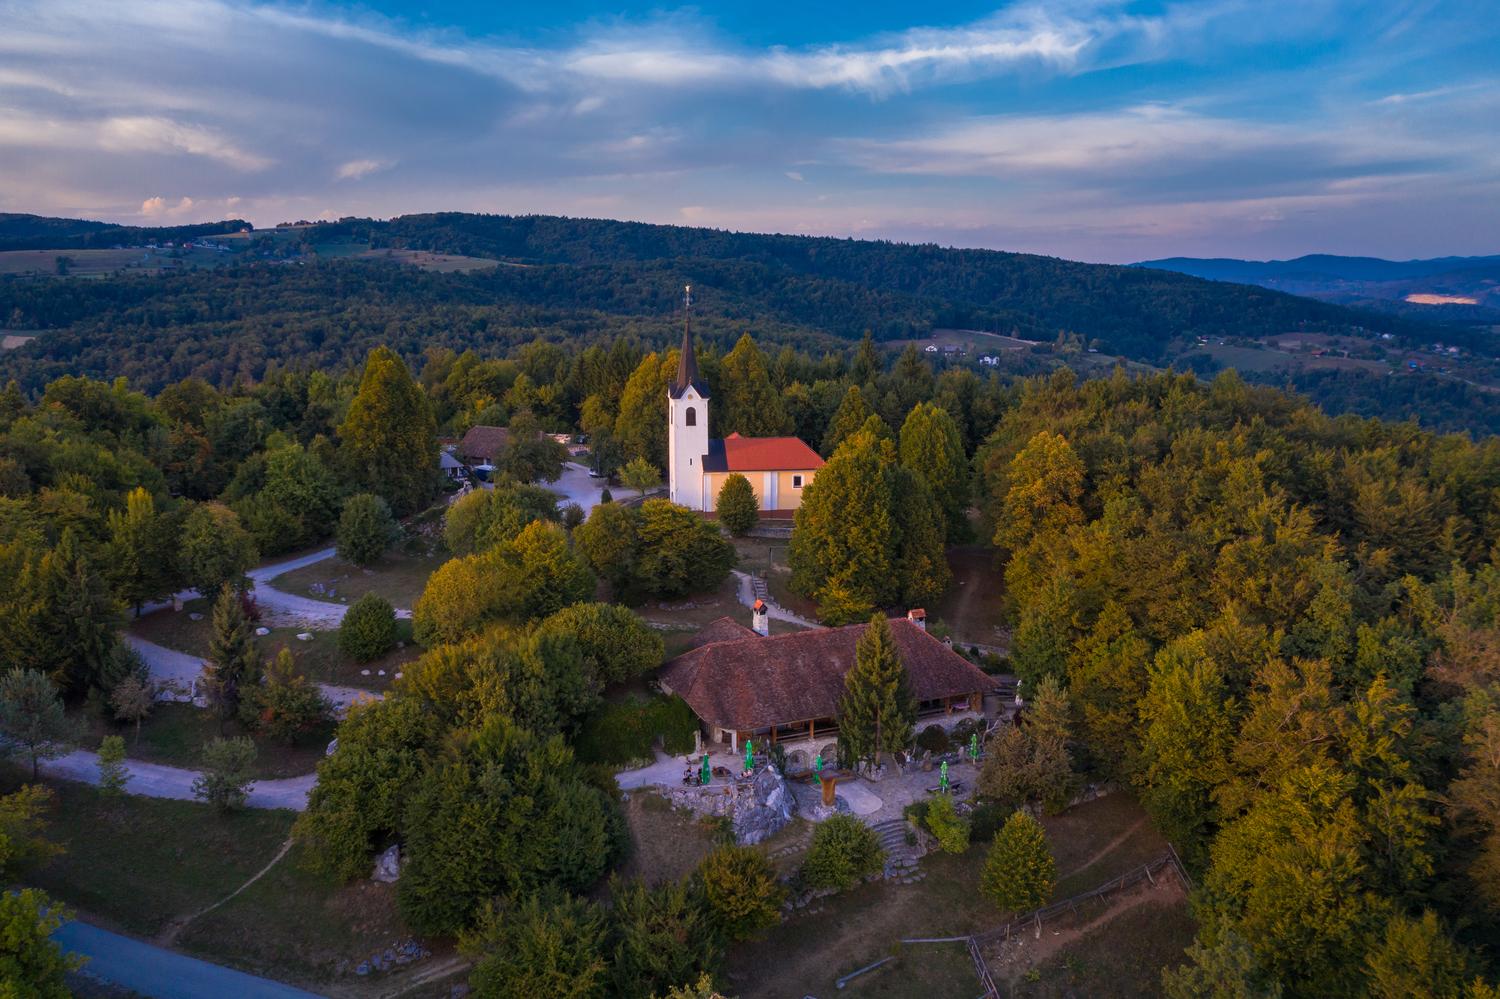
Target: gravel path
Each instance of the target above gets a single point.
(155, 780)
(777, 612)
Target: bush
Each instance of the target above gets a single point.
(738, 509)
(986, 819)
(1019, 872)
(741, 891)
(369, 628)
(366, 529)
(226, 778)
(944, 822)
(621, 734)
(605, 496)
(843, 851)
(934, 739)
(546, 944)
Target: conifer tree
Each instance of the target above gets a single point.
(867, 364)
(112, 773)
(738, 508)
(233, 663)
(662, 937)
(877, 712)
(932, 447)
(79, 618)
(847, 420)
(32, 723)
(1019, 871)
(142, 552)
(388, 442)
(748, 404)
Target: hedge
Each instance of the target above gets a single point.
(624, 733)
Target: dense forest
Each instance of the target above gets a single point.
(1276, 626)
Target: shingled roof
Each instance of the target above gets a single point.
(484, 443)
(749, 683)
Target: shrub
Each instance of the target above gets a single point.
(624, 733)
(944, 822)
(741, 891)
(934, 739)
(572, 516)
(1019, 871)
(986, 819)
(226, 778)
(546, 944)
(366, 529)
(662, 936)
(369, 628)
(605, 496)
(843, 851)
(738, 509)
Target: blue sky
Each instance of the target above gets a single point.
(1092, 130)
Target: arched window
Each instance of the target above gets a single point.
(692, 417)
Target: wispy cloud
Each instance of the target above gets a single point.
(355, 169)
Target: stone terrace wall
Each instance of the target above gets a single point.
(756, 808)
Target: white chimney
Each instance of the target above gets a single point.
(918, 617)
(760, 618)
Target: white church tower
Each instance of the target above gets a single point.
(687, 430)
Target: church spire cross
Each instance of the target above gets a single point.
(687, 361)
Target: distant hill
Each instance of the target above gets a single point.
(322, 294)
(39, 232)
(1458, 290)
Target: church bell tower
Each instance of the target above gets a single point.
(687, 430)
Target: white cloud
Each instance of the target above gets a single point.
(355, 169)
(147, 134)
(795, 175)
(157, 207)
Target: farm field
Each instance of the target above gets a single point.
(95, 263)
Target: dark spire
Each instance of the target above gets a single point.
(687, 362)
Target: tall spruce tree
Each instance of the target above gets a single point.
(142, 551)
(932, 447)
(80, 617)
(877, 711)
(388, 442)
(233, 663)
(847, 420)
(748, 404)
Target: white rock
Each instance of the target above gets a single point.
(304, 636)
(380, 672)
(364, 672)
(262, 631)
(195, 616)
(388, 866)
(398, 676)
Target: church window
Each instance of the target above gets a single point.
(692, 417)
(796, 482)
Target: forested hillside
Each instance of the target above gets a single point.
(584, 268)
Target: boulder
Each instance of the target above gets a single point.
(388, 866)
(195, 616)
(262, 631)
(304, 636)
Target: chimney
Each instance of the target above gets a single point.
(918, 617)
(760, 618)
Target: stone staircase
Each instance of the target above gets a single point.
(900, 857)
(758, 587)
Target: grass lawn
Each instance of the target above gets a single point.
(804, 955)
(135, 864)
(175, 734)
(399, 576)
(320, 659)
(679, 618)
(139, 865)
(1122, 958)
(666, 844)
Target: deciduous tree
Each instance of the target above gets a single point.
(738, 509)
(366, 528)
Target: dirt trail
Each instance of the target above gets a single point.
(169, 933)
(1106, 849)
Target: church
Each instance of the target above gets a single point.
(779, 468)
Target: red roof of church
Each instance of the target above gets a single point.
(760, 454)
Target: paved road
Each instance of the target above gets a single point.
(575, 486)
(156, 780)
(169, 664)
(161, 973)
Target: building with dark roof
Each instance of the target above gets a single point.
(785, 689)
(779, 468)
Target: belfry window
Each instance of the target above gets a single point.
(692, 417)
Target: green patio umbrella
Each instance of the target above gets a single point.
(943, 780)
(974, 747)
(818, 769)
(749, 755)
(705, 775)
